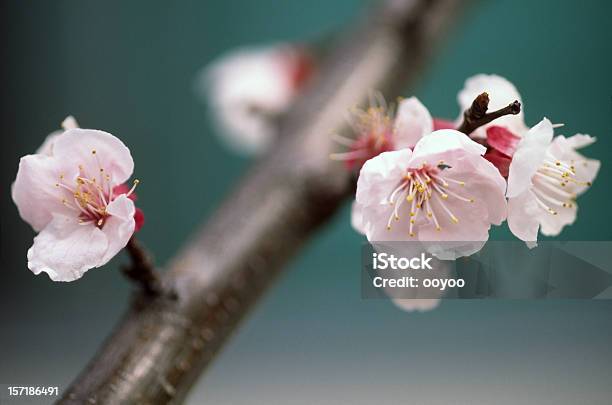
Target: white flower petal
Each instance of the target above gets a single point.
(35, 192)
(380, 175)
(65, 249)
(357, 217)
(77, 146)
(69, 123)
(412, 122)
(119, 227)
(47, 146)
(529, 155)
(445, 140)
(564, 149)
(524, 215)
(552, 225)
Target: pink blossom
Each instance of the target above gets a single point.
(444, 190)
(546, 175)
(67, 193)
(379, 129)
(249, 87)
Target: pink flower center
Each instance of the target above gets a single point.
(426, 190)
(554, 183)
(374, 129)
(91, 193)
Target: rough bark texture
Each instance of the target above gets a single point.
(163, 343)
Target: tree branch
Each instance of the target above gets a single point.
(477, 116)
(162, 345)
(142, 270)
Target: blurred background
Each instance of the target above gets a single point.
(130, 69)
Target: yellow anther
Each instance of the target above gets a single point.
(444, 196)
(411, 234)
(438, 228)
(429, 214)
(472, 200)
(412, 221)
(412, 214)
(454, 219)
(410, 198)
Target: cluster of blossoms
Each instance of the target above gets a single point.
(419, 182)
(421, 178)
(73, 192)
(413, 165)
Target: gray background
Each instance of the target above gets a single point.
(129, 68)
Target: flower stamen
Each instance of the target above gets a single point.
(420, 186)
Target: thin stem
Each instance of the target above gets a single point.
(477, 115)
(142, 269)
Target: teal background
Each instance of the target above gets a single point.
(129, 68)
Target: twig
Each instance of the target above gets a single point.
(142, 270)
(162, 345)
(477, 115)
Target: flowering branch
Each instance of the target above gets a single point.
(161, 346)
(477, 115)
(142, 269)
